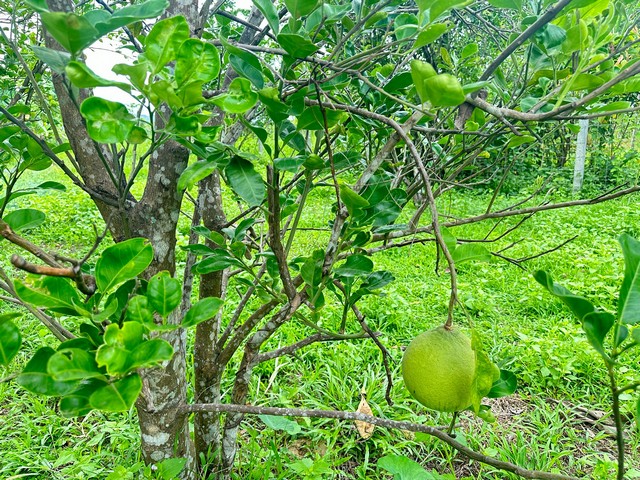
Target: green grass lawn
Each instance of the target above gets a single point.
(557, 420)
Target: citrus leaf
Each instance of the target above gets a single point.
(629, 301)
(164, 293)
(270, 13)
(83, 77)
(503, 386)
(245, 181)
(10, 338)
(196, 61)
(470, 252)
(164, 40)
(196, 172)
(218, 260)
(281, 423)
(24, 219)
(54, 293)
(122, 261)
(203, 310)
(403, 468)
(355, 266)
(596, 325)
(296, 45)
(107, 121)
(579, 306)
(118, 396)
(73, 32)
(36, 378)
(72, 364)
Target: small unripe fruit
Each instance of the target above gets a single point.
(439, 368)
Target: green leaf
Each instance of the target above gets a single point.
(281, 424)
(577, 38)
(300, 8)
(130, 14)
(52, 186)
(629, 300)
(270, 13)
(38, 5)
(377, 280)
(518, 140)
(36, 378)
(579, 306)
(469, 50)
(164, 40)
(471, 252)
(127, 336)
(196, 61)
(83, 77)
(118, 396)
(239, 98)
(195, 172)
(513, 4)
(405, 26)
(355, 266)
(245, 63)
(24, 219)
(10, 338)
(584, 81)
(421, 71)
(352, 200)
(312, 118)
(56, 60)
(121, 262)
(277, 110)
(138, 310)
(185, 126)
(486, 374)
(73, 32)
(137, 73)
(170, 468)
(164, 293)
(444, 90)
(596, 325)
(289, 164)
(77, 403)
(218, 260)
(72, 364)
(107, 121)
(245, 181)
(54, 293)
(503, 386)
(441, 6)
(150, 353)
(430, 34)
(296, 45)
(403, 468)
(115, 359)
(202, 311)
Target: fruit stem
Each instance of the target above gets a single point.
(452, 425)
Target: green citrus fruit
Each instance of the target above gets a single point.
(439, 368)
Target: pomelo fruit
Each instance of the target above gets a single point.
(439, 368)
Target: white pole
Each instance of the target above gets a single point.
(581, 153)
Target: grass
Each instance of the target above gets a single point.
(525, 330)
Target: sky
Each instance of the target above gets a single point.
(103, 55)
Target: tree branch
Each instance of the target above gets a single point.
(380, 422)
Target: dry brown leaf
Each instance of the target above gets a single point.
(364, 429)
